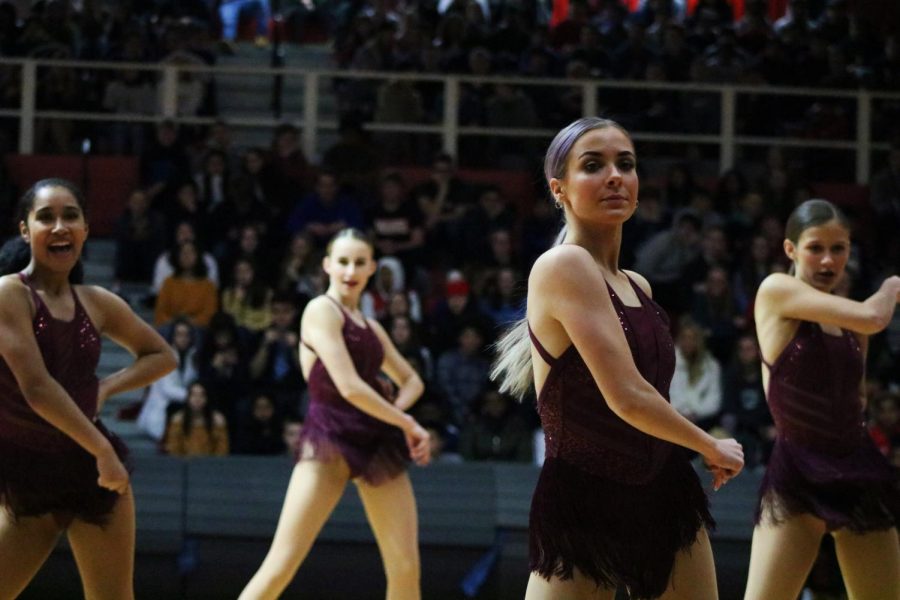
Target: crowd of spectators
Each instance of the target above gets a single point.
(816, 43)
(230, 251)
(228, 239)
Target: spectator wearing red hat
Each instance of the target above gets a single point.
(458, 308)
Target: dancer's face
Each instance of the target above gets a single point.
(55, 228)
(601, 183)
(820, 254)
(349, 266)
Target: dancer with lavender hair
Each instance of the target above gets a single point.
(617, 504)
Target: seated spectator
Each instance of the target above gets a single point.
(501, 251)
(188, 292)
(222, 363)
(396, 223)
(249, 245)
(262, 430)
(462, 374)
(324, 212)
(714, 309)
(509, 106)
(290, 435)
(884, 426)
(753, 267)
(191, 92)
(353, 158)
(665, 258)
(398, 101)
(404, 335)
(885, 200)
(299, 264)
(212, 181)
(650, 218)
(502, 301)
(444, 200)
(459, 307)
(140, 237)
(745, 414)
(431, 411)
(163, 162)
(496, 431)
(275, 361)
(263, 182)
(220, 138)
(541, 226)
(289, 167)
(164, 267)
(197, 429)
(170, 391)
(240, 208)
(129, 91)
(696, 389)
(184, 206)
(490, 214)
(247, 299)
(389, 279)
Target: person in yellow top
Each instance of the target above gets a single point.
(197, 429)
(188, 292)
(248, 299)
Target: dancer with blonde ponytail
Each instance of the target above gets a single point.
(617, 504)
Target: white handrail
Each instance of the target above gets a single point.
(727, 139)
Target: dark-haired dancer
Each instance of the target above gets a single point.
(351, 432)
(825, 474)
(617, 504)
(60, 469)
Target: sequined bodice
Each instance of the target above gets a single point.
(367, 355)
(71, 351)
(814, 390)
(579, 426)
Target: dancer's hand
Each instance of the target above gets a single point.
(418, 440)
(725, 461)
(113, 475)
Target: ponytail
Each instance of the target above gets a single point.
(512, 367)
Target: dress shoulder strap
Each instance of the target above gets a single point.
(540, 348)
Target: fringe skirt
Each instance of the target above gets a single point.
(857, 491)
(619, 535)
(376, 453)
(62, 481)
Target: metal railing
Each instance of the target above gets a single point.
(448, 128)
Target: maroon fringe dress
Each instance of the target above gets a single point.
(612, 501)
(374, 450)
(824, 463)
(42, 470)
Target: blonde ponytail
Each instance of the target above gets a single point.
(512, 367)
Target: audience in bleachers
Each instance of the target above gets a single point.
(454, 255)
(696, 389)
(197, 429)
(166, 395)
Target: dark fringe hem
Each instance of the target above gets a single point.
(620, 536)
(860, 496)
(375, 463)
(63, 483)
